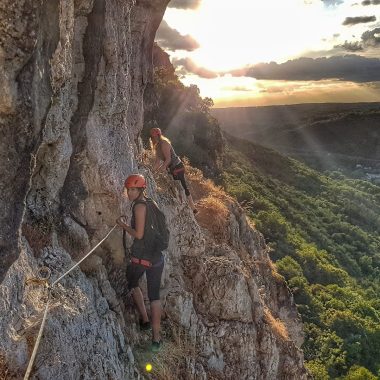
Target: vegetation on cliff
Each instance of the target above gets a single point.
(324, 237)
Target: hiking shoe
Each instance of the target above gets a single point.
(144, 326)
(156, 346)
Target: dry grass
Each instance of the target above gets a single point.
(213, 216)
(269, 270)
(278, 327)
(170, 362)
(212, 203)
(277, 276)
(5, 372)
(202, 187)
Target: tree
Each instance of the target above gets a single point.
(359, 373)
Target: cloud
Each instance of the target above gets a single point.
(237, 88)
(358, 20)
(351, 46)
(371, 38)
(371, 2)
(171, 39)
(331, 3)
(184, 4)
(352, 68)
(186, 66)
(372, 85)
(274, 90)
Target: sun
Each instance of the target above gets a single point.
(242, 32)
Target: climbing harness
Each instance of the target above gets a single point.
(144, 263)
(43, 276)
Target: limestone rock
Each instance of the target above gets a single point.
(73, 74)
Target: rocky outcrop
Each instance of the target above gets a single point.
(224, 291)
(73, 75)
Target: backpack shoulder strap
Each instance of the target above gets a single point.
(140, 201)
(151, 201)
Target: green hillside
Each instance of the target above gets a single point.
(324, 233)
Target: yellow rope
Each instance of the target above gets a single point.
(31, 361)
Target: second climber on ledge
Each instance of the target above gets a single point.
(167, 159)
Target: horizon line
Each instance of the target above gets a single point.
(292, 104)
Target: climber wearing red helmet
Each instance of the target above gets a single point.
(141, 260)
(166, 159)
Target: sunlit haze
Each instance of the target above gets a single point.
(234, 36)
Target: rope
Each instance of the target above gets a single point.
(85, 257)
(34, 353)
(35, 348)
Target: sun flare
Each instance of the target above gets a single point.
(233, 36)
(246, 32)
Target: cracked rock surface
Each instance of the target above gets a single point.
(73, 75)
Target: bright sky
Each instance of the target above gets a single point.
(236, 35)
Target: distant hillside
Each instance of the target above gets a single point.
(324, 234)
(326, 136)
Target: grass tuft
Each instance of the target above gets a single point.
(278, 327)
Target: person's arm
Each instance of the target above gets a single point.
(165, 146)
(140, 215)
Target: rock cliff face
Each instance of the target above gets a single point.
(73, 75)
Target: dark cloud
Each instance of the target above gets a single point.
(330, 3)
(350, 46)
(353, 68)
(358, 20)
(372, 85)
(371, 2)
(171, 39)
(184, 4)
(186, 66)
(371, 38)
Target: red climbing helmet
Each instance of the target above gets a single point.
(155, 132)
(135, 180)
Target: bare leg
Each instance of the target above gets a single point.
(139, 301)
(155, 308)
